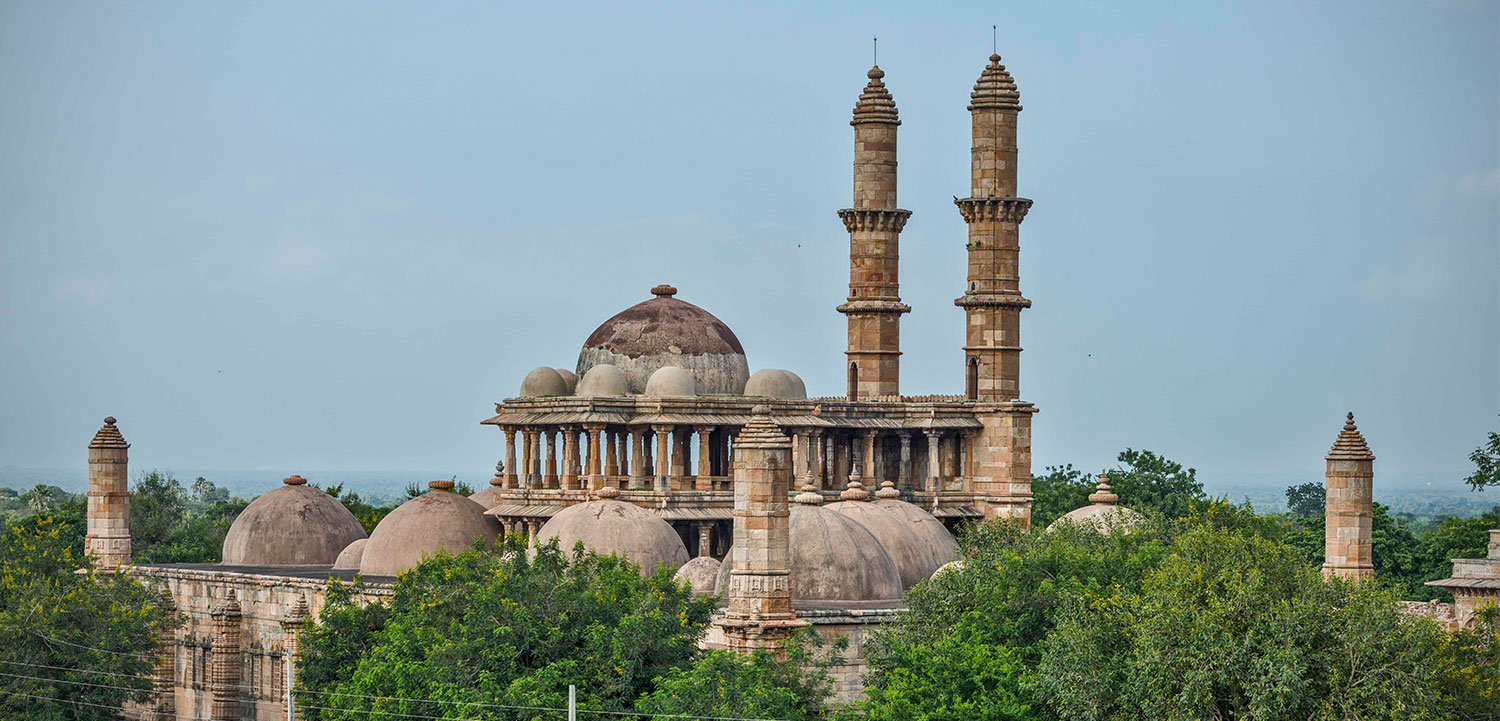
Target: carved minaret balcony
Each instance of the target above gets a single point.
(992, 298)
(874, 305)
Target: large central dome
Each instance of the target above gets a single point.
(665, 331)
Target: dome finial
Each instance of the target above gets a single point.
(1102, 494)
(294, 480)
(664, 291)
(809, 496)
(854, 491)
(608, 492)
(887, 490)
(440, 485)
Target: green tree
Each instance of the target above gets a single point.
(368, 515)
(1150, 483)
(509, 626)
(72, 645)
(727, 684)
(1232, 625)
(1306, 500)
(957, 677)
(1059, 490)
(1486, 460)
(170, 525)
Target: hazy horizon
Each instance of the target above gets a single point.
(296, 236)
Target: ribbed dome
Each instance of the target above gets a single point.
(918, 543)
(604, 380)
(350, 557)
(294, 525)
(438, 520)
(836, 562)
(700, 574)
(995, 88)
(666, 331)
(608, 526)
(776, 384)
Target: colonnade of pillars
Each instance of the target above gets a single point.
(911, 460)
(591, 456)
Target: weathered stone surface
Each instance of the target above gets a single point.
(777, 384)
(543, 381)
(294, 525)
(434, 522)
(614, 527)
(917, 543)
(666, 331)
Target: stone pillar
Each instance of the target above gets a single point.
(291, 634)
(551, 479)
(856, 474)
(224, 674)
(108, 524)
(705, 538)
(759, 610)
(814, 458)
(570, 457)
(637, 459)
(528, 458)
(680, 453)
(595, 432)
(1349, 511)
(992, 300)
(611, 455)
(662, 480)
(532, 526)
(934, 460)
(704, 481)
(510, 457)
(874, 306)
(830, 462)
(869, 459)
(164, 675)
(904, 478)
(965, 473)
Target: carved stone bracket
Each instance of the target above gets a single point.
(1008, 210)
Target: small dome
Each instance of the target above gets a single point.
(836, 562)
(665, 331)
(608, 526)
(570, 379)
(438, 520)
(918, 543)
(776, 384)
(489, 496)
(1103, 515)
(349, 557)
(604, 380)
(670, 382)
(543, 381)
(294, 525)
(949, 567)
(700, 574)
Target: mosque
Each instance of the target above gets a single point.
(659, 444)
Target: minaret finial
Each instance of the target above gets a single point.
(875, 43)
(995, 39)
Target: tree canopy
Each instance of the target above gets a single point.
(500, 633)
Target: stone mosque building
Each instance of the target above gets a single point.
(661, 445)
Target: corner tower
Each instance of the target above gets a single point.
(992, 298)
(108, 538)
(1349, 510)
(874, 307)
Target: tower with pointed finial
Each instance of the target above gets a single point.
(992, 301)
(1349, 510)
(874, 306)
(759, 612)
(108, 537)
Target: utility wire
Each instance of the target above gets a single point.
(102, 673)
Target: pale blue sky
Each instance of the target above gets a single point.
(329, 236)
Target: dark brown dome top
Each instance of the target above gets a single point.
(665, 325)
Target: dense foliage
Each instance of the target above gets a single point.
(72, 645)
(1152, 484)
(172, 524)
(1206, 616)
(1486, 459)
(491, 630)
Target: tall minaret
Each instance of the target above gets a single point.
(992, 298)
(874, 306)
(1348, 530)
(108, 537)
